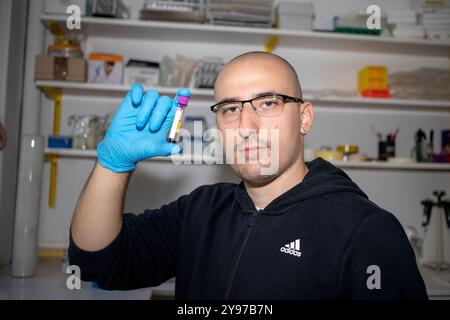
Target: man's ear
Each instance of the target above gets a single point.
(306, 117)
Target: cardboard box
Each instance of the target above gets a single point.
(60, 68)
(105, 68)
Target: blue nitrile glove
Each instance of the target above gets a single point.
(139, 130)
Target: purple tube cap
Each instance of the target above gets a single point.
(183, 100)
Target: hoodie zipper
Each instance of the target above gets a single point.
(239, 256)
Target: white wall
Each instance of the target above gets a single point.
(156, 183)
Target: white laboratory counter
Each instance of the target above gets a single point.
(437, 283)
(50, 284)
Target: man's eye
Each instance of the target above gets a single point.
(230, 109)
(269, 104)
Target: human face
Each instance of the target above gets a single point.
(263, 142)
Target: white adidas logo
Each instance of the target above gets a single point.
(292, 248)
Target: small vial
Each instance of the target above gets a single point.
(176, 124)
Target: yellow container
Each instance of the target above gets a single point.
(329, 155)
(373, 78)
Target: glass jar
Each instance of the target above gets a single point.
(84, 131)
(64, 50)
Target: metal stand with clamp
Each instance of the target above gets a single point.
(444, 214)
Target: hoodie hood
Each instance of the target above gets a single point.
(323, 178)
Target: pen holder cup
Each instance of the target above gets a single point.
(386, 149)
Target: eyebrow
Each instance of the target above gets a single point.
(255, 95)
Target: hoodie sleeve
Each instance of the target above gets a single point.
(379, 262)
(142, 255)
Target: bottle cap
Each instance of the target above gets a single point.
(183, 100)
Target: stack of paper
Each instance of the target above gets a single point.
(436, 22)
(423, 83)
(254, 13)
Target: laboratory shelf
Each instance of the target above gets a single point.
(173, 31)
(413, 166)
(407, 104)
(88, 89)
(100, 89)
(92, 154)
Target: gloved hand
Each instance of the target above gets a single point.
(139, 130)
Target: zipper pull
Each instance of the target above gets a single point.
(252, 220)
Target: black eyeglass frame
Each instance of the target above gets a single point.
(286, 99)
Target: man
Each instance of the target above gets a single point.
(304, 231)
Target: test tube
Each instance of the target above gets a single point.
(182, 103)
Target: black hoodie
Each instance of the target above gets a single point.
(322, 239)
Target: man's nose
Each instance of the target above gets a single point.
(248, 122)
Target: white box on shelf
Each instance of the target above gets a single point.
(60, 6)
(105, 68)
(144, 72)
(296, 15)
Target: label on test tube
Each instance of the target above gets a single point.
(176, 125)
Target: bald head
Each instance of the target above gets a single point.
(255, 76)
(262, 59)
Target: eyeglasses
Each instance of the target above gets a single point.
(268, 105)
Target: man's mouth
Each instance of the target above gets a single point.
(251, 151)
